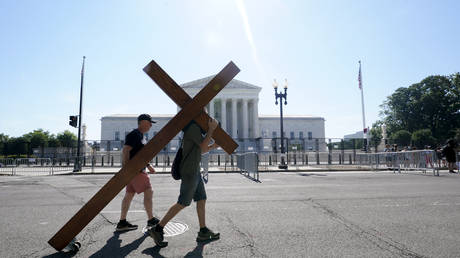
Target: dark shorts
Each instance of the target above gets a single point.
(139, 184)
(191, 188)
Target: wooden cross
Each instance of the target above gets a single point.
(178, 95)
(191, 109)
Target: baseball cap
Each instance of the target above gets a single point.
(145, 117)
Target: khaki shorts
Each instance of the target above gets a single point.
(139, 184)
(191, 188)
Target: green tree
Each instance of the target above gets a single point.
(401, 137)
(38, 139)
(422, 138)
(67, 139)
(376, 134)
(17, 146)
(53, 141)
(431, 104)
(3, 144)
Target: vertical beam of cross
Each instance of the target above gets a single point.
(141, 159)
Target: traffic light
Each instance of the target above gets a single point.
(73, 121)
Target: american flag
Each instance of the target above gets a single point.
(359, 77)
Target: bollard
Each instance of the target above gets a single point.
(111, 162)
(349, 158)
(329, 161)
(340, 159)
(317, 158)
(269, 160)
(231, 160)
(295, 159)
(218, 160)
(168, 160)
(102, 161)
(156, 161)
(306, 159)
(84, 161)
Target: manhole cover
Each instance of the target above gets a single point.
(172, 229)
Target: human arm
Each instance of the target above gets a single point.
(125, 154)
(205, 147)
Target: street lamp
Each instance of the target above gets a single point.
(281, 95)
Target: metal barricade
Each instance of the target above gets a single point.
(7, 166)
(247, 163)
(422, 160)
(35, 166)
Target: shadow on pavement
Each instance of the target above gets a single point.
(113, 247)
(198, 251)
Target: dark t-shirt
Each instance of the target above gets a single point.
(134, 139)
(190, 165)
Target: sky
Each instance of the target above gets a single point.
(315, 45)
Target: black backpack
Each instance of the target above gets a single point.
(175, 168)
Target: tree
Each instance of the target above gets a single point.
(67, 139)
(53, 141)
(401, 137)
(431, 104)
(422, 138)
(376, 134)
(3, 143)
(38, 139)
(17, 146)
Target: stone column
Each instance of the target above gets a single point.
(234, 118)
(245, 118)
(211, 108)
(223, 109)
(256, 117)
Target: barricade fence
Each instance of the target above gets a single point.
(422, 160)
(247, 164)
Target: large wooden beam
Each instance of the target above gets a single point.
(180, 97)
(141, 159)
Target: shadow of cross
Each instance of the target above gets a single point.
(188, 112)
(180, 97)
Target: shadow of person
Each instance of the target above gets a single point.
(61, 255)
(153, 251)
(198, 251)
(113, 247)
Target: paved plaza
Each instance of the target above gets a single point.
(291, 214)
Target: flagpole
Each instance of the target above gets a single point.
(360, 79)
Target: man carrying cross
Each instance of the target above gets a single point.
(194, 144)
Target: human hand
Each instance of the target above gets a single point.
(151, 169)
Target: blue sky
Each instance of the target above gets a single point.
(316, 45)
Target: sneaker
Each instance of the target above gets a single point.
(125, 226)
(207, 235)
(157, 236)
(152, 222)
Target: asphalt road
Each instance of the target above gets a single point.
(296, 214)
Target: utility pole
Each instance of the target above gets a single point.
(77, 165)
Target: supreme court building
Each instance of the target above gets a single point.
(236, 107)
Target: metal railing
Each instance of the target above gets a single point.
(248, 164)
(420, 160)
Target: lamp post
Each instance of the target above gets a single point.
(281, 96)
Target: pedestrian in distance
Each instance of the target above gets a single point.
(448, 151)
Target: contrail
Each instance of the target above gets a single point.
(247, 29)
